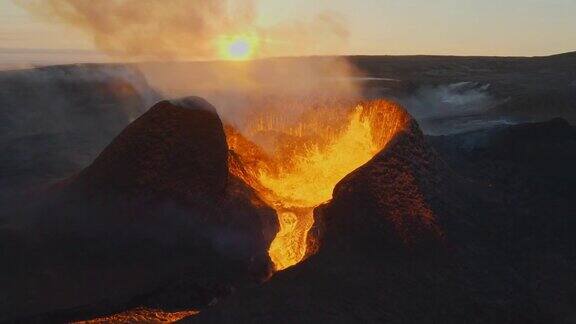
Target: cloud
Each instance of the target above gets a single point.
(183, 29)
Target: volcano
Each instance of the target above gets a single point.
(341, 213)
(176, 154)
(404, 239)
(380, 227)
(157, 204)
(240, 207)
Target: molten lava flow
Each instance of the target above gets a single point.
(142, 315)
(289, 245)
(315, 171)
(308, 159)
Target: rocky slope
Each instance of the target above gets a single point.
(157, 206)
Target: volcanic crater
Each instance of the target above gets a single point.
(202, 207)
(298, 162)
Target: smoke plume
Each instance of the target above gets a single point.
(184, 29)
(172, 31)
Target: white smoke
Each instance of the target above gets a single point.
(456, 99)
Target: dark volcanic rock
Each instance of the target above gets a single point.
(386, 202)
(175, 151)
(529, 169)
(528, 172)
(157, 206)
(521, 227)
(176, 154)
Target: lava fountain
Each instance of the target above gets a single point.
(294, 164)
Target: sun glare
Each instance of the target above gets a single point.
(238, 47)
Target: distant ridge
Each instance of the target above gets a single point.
(15, 58)
(564, 55)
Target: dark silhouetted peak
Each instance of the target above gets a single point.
(177, 149)
(193, 103)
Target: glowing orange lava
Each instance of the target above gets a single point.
(305, 159)
(142, 315)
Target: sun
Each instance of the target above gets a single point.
(238, 47)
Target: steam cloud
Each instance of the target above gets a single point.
(183, 29)
(456, 99)
(179, 30)
(167, 33)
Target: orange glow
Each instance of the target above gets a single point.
(142, 315)
(308, 157)
(314, 172)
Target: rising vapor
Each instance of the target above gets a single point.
(183, 29)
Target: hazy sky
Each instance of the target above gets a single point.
(467, 27)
